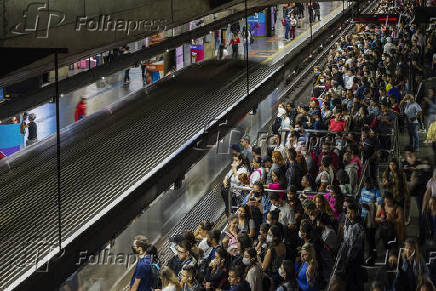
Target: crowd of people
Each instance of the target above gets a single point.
(305, 212)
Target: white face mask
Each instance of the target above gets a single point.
(281, 111)
(299, 234)
(281, 273)
(269, 239)
(272, 207)
(246, 261)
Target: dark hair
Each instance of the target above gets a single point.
(388, 195)
(185, 245)
(276, 232)
(189, 236)
(353, 207)
(214, 234)
(275, 214)
(152, 250)
(292, 154)
(142, 244)
(206, 225)
(264, 227)
(252, 252)
(245, 241)
(256, 150)
(288, 267)
(223, 254)
(189, 268)
(260, 185)
(238, 270)
(257, 160)
(274, 196)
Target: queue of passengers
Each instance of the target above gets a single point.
(301, 219)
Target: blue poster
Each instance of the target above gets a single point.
(257, 24)
(1, 94)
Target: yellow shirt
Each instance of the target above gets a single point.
(431, 133)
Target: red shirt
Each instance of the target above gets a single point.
(337, 125)
(80, 110)
(235, 41)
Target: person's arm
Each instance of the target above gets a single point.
(378, 217)
(425, 199)
(135, 285)
(266, 260)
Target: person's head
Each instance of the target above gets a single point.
(242, 212)
(245, 141)
(258, 189)
(263, 230)
(277, 176)
(388, 199)
(233, 222)
(352, 212)
(368, 183)
(187, 274)
(274, 234)
(32, 117)
(305, 181)
(326, 148)
(411, 249)
(238, 158)
(292, 154)
(377, 286)
(291, 193)
(257, 162)
(236, 148)
(267, 162)
(213, 237)
(278, 158)
(319, 202)
(287, 271)
(393, 259)
(250, 257)
(140, 246)
(168, 277)
(275, 199)
(393, 165)
(236, 275)
(221, 257)
(204, 227)
(256, 150)
(83, 99)
(244, 242)
(308, 254)
(272, 217)
(183, 249)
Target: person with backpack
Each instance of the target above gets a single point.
(142, 278)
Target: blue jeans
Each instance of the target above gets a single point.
(413, 135)
(287, 30)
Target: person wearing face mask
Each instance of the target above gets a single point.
(261, 245)
(216, 277)
(258, 199)
(287, 273)
(287, 215)
(274, 256)
(245, 222)
(253, 269)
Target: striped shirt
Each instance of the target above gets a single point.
(369, 196)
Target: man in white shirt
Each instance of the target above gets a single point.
(287, 215)
(348, 80)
